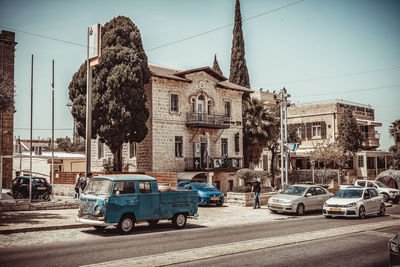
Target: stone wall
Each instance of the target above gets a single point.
(246, 199)
(19, 205)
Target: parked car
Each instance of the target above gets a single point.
(299, 198)
(206, 193)
(386, 192)
(394, 254)
(355, 201)
(123, 200)
(41, 189)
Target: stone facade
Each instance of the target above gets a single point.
(174, 142)
(7, 49)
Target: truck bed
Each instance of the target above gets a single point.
(172, 202)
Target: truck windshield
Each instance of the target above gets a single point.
(98, 187)
(294, 190)
(349, 193)
(202, 185)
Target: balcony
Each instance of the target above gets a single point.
(202, 120)
(196, 164)
(370, 139)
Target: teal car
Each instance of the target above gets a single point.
(123, 200)
(206, 193)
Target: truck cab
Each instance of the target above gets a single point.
(123, 200)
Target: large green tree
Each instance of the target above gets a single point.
(257, 129)
(394, 131)
(216, 65)
(119, 101)
(6, 93)
(349, 134)
(238, 70)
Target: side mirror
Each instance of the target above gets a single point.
(117, 194)
(366, 197)
(308, 195)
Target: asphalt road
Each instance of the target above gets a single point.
(165, 241)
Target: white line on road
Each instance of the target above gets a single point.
(175, 257)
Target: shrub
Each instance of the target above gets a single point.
(241, 189)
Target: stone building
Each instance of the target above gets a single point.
(319, 123)
(195, 128)
(7, 48)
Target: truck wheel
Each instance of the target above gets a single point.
(385, 197)
(396, 200)
(126, 224)
(179, 220)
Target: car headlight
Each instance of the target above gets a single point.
(326, 204)
(351, 205)
(287, 201)
(202, 194)
(97, 210)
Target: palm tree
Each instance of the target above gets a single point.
(394, 130)
(257, 129)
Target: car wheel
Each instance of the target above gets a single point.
(99, 228)
(361, 212)
(382, 210)
(18, 195)
(300, 210)
(385, 197)
(126, 224)
(46, 196)
(152, 222)
(328, 217)
(396, 200)
(179, 220)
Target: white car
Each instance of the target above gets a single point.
(386, 192)
(299, 198)
(354, 201)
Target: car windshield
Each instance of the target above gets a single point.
(202, 185)
(98, 187)
(379, 184)
(38, 181)
(348, 193)
(294, 190)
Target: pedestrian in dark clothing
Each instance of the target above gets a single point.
(256, 188)
(77, 185)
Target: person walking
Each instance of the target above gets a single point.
(77, 185)
(256, 188)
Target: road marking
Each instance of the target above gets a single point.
(189, 255)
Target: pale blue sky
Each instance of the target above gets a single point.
(297, 47)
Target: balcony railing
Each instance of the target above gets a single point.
(195, 164)
(204, 120)
(371, 135)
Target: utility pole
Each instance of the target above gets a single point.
(283, 96)
(30, 158)
(52, 127)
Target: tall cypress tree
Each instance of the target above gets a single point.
(238, 72)
(216, 65)
(349, 134)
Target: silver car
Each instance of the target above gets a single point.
(299, 198)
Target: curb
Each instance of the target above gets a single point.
(44, 228)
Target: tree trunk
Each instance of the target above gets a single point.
(271, 169)
(118, 160)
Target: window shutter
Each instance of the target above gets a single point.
(303, 131)
(323, 129)
(308, 126)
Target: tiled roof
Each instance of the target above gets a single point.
(179, 75)
(229, 85)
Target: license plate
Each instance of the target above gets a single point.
(335, 209)
(215, 198)
(41, 188)
(276, 206)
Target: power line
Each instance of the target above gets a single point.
(335, 76)
(163, 45)
(349, 91)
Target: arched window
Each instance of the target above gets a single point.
(193, 102)
(209, 107)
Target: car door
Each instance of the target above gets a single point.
(123, 200)
(375, 199)
(148, 201)
(311, 202)
(368, 202)
(322, 197)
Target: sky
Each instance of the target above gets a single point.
(319, 50)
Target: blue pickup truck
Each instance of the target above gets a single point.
(206, 193)
(123, 200)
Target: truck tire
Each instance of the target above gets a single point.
(385, 197)
(179, 220)
(126, 224)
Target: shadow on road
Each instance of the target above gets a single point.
(140, 229)
(14, 218)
